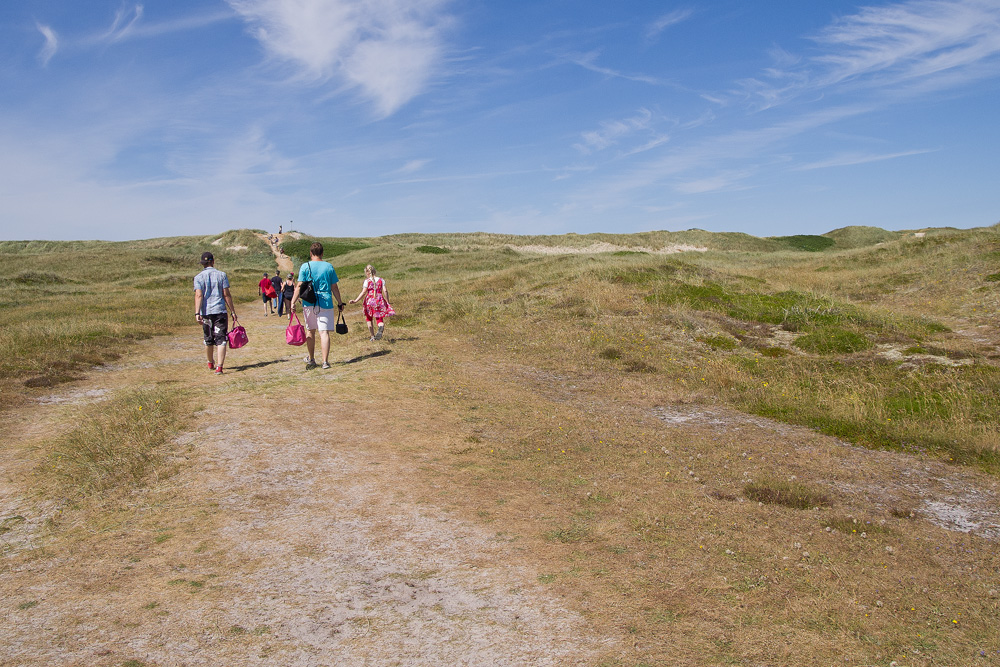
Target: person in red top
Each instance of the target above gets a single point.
(266, 291)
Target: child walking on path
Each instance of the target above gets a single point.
(376, 299)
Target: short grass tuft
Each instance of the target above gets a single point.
(116, 444)
(789, 494)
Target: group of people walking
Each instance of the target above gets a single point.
(276, 293)
(316, 286)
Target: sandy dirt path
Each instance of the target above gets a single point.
(283, 261)
(296, 529)
(306, 518)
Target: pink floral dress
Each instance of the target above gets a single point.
(376, 306)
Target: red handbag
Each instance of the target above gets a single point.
(295, 334)
(238, 336)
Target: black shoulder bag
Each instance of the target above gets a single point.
(306, 291)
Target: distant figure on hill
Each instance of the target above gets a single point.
(211, 301)
(319, 314)
(279, 230)
(266, 291)
(276, 284)
(376, 302)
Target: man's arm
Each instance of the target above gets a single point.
(336, 292)
(198, 298)
(229, 301)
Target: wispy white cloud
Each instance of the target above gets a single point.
(910, 40)
(690, 169)
(62, 182)
(412, 166)
(654, 29)
(122, 24)
(877, 56)
(51, 43)
(655, 142)
(850, 159)
(914, 47)
(588, 62)
(389, 49)
(613, 131)
(721, 181)
(132, 23)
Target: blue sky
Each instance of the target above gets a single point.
(121, 120)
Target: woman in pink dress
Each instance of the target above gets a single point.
(376, 300)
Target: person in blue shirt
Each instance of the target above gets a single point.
(276, 284)
(211, 300)
(319, 315)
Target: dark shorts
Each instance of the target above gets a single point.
(265, 298)
(216, 327)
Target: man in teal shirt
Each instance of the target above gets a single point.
(319, 315)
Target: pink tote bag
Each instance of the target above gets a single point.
(238, 336)
(295, 334)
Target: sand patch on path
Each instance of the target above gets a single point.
(283, 261)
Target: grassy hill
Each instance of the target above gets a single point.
(878, 337)
(596, 401)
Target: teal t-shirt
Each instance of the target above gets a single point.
(323, 278)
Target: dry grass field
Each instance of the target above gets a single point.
(654, 449)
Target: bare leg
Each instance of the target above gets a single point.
(311, 344)
(210, 349)
(220, 352)
(371, 329)
(324, 341)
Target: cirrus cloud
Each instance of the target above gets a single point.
(389, 49)
(51, 43)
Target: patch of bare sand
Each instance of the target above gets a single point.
(292, 540)
(955, 498)
(596, 248)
